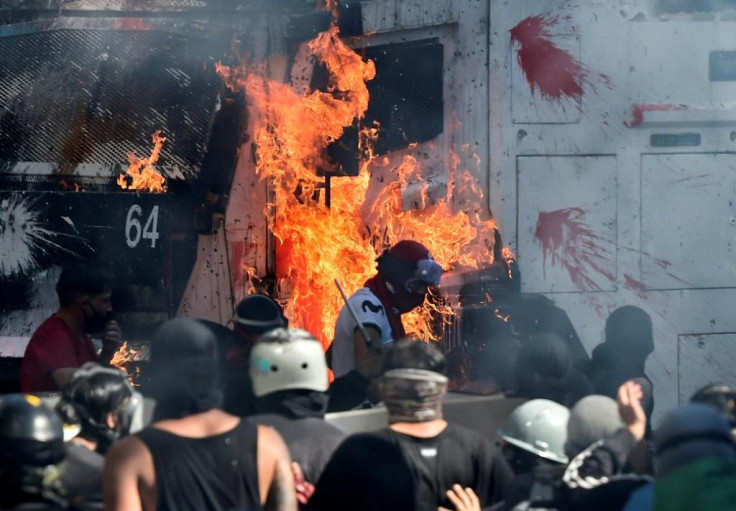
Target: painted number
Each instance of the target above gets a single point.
(133, 230)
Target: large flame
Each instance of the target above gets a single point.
(141, 174)
(317, 244)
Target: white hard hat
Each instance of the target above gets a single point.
(540, 427)
(287, 359)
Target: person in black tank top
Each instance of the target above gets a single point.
(196, 457)
(222, 466)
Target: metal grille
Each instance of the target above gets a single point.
(92, 96)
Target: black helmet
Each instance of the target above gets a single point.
(256, 314)
(30, 433)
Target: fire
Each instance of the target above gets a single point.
(122, 360)
(316, 244)
(141, 174)
(66, 186)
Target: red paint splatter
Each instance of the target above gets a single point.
(662, 263)
(571, 244)
(637, 113)
(237, 251)
(555, 72)
(635, 285)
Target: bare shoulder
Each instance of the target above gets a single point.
(129, 476)
(129, 448)
(271, 444)
(276, 480)
(269, 435)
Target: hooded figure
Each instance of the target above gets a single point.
(406, 271)
(622, 356)
(184, 370)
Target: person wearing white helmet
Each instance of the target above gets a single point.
(288, 373)
(535, 435)
(254, 315)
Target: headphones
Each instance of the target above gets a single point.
(129, 414)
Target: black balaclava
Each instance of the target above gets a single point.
(294, 403)
(184, 369)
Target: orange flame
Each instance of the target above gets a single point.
(66, 186)
(122, 359)
(316, 244)
(141, 174)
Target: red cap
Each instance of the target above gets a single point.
(409, 251)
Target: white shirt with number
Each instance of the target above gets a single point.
(370, 312)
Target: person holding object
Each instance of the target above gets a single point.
(371, 319)
(62, 343)
(405, 273)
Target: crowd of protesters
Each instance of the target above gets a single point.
(234, 418)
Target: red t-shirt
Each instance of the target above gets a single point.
(53, 346)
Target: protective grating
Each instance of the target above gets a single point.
(93, 96)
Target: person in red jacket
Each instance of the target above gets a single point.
(61, 344)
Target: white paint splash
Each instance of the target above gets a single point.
(22, 236)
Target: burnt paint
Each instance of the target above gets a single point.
(568, 242)
(555, 72)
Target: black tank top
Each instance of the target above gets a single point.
(215, 473)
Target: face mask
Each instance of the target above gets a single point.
(403, 299)
(96, 323)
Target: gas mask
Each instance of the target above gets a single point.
(408, 282)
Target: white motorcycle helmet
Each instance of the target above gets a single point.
(287, 359)
(538, 426)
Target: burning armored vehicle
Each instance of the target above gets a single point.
(203, 150)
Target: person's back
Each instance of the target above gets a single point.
(534, 438)
(456, 455)
(366, 473)
(291, 396)
(439, 454)
(545, 370)
(222, 465)
(195, 456)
